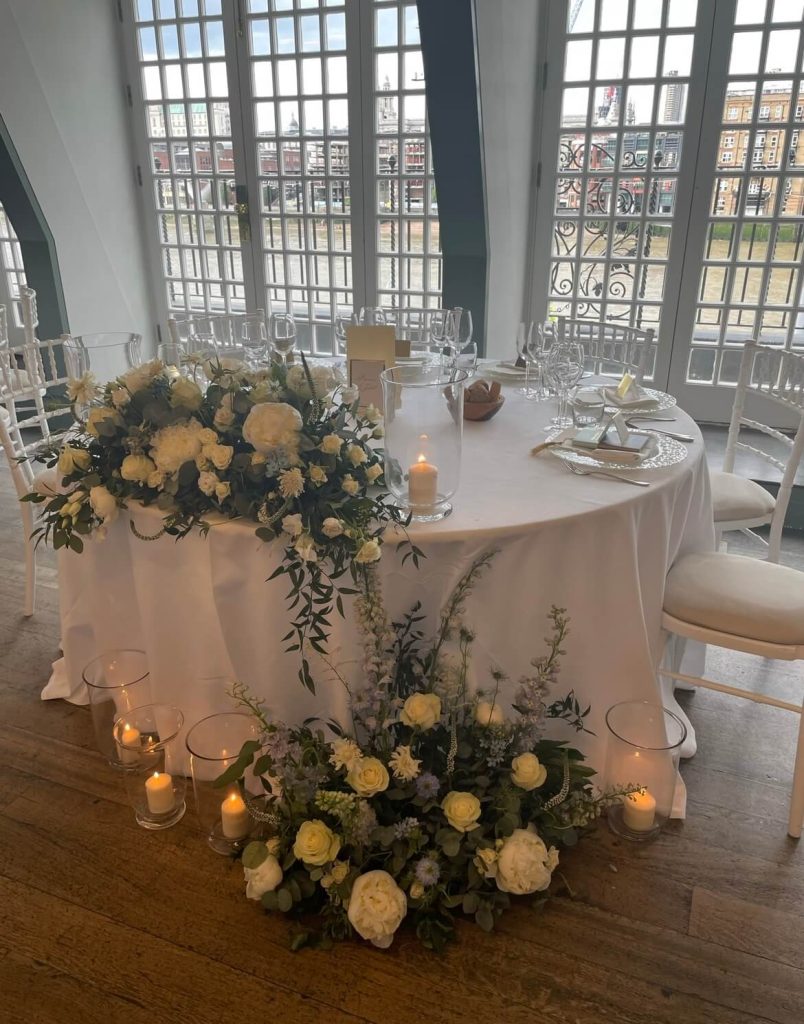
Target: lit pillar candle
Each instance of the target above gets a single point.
(159, 793)
(422, 483)
(639, 811)
(235, 819)
(130, 745)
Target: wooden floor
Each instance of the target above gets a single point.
(103, 922)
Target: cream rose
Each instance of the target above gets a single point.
(220, 455)
(356, 454)
(156, 479)
(368, 776)
(186, 393)
(103, 503)
(224, 414)
(374, 472)
(100, 416)
(528, 772)
(369, 552)
(331, 444)
(377, 907)
(421, 710)
(524, 863)
(293, 525)
(207, 482)
(461, 810)
(272, 425)
(323, 378)
(71, 459)
(262, 879)
(316, 843)
(487, 713)
(141, 376)
(305, 546)
(332, 527)
(223, 490)
(486, 862)
(349, 484)
(137, 468)
(317, 475)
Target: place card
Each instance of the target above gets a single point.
(369, 351)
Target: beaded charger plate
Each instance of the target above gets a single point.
(664, 452)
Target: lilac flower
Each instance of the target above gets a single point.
(427, 786)
(427, 871)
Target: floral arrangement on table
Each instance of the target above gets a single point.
(283, 446)
(432, 803)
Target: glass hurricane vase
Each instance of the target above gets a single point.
(152, 763)
(116, 682)
(423, 434)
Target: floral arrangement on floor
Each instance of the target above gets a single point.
(433, 803)
(284, 447)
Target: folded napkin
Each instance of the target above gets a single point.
(635, 397)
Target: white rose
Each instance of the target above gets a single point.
(377, 433)
(292, 525)
(369, 552)
(186, 393)
(224, 414)
(71, 459)
(101, 415)
(317, 475)
(356, 454)
(207, 482)
(316, 843)
(524, 863)
(324, 380)
(141, 376)
(486, 862)
(173, 446)
(272, 425)
(373, 472)
(136, 468)
(262, 879)
(156, 479)
(373, 414)
(421, 710)
(332, 527)
(305, 547)
(220, 455)
(349, 484)
(461, 810)
(223, 490)
(489, 714)
(104, 503)
(377, 907)
(528, 772)
(331, 444)
(207, 436)
(368, 776)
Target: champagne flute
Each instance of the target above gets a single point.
(283, 334)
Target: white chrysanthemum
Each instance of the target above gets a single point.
(173, 446)
(272, 425)
(82, 389)
(291, 482)
(404, 765)
(141, 376)
(344, 753)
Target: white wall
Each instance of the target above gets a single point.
(62, 99)
(507, 67)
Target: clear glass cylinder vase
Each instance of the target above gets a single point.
(147, 741)
(116, 682)
(644, 744)
(214, 745)
(423, 409)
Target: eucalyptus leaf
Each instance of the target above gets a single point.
(254, 855)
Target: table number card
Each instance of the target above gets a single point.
(369, 351)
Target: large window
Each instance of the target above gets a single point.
(12, 274)
(285, 156)
(672, 185)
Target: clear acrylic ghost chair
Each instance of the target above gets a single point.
(106, 355)
(610, 349)
(27, 373)
(768, 376)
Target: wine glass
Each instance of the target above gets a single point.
(524, 347)
(254, 339)
(342, 322)
(372, 316)
(283, 334)
(564, 368)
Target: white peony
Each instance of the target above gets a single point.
(173, 446)
(104, 503)
(291, 483)
(404, 765)
(350, 485)
(82, 389)
(421, 710)
(377, 907)
(356, 454)
(186, 393)
(332, 527)
(528, 772)
(262, 879)
(331, 444)
(272, 425)
(524, 864)
(136, 468)
(487, 713)
(207, 482)
(369, 552)
(293, 525)
(141, 376)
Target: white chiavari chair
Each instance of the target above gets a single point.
(768, 377)
(610, 349)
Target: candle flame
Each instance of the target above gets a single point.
(156, 775)
(126, 727)
(422, 458)
(233, 796)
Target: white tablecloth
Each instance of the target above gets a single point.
(201, 607)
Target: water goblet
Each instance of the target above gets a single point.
(254, 339)
(283, 334)
(564, 368)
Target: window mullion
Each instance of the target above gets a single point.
(361, 169)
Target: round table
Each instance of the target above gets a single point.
(201, 607)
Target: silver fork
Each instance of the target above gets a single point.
(580, 471)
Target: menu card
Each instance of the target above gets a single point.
(370, 349)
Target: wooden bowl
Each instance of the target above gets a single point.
(479, 412)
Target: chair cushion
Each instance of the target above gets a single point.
(734, 594)
(735, 497)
